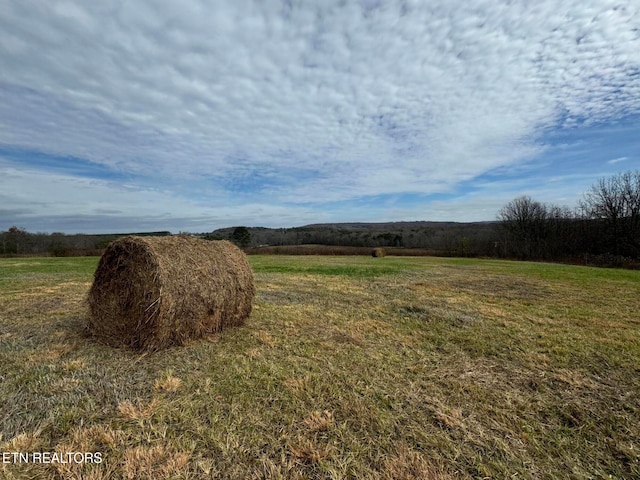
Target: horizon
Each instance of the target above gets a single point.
(134, 117)
(228, 227)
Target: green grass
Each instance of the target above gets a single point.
(19, 273)
(349, 367)
(322, 265)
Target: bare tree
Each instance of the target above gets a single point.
(631, 192)
(523, 220)
(16, 240)
(616, 202)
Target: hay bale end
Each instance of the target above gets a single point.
(378, 252)
(150, 293)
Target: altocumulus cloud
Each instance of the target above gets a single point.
(311, 108)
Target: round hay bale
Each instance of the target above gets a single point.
(149, 293)
(378, 252)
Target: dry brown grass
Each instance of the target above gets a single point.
(138, 411)
(168, 383)
(308, 451)
(407, 464)
(319, 421)
(298, 385)
(153, 463)
(349, 368)
(96, 438)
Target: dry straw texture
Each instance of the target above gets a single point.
(153, 292)
(378, 252)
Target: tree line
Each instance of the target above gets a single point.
(18, 241)
(605, 225)
(439, 238)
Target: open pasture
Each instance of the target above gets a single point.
(349, 367)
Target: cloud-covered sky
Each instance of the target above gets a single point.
(194, 115)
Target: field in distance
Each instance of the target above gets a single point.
(349, 367)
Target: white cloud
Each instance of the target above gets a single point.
(613, 161)
(336, 101)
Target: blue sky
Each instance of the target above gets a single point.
(192, 115)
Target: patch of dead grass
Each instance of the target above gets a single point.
(305, 450)
(23, 442)
(138, 411)
(450, 418)
(266, 338)
(96, 438)
(298, 385)
(157, 462)
(167, 383)
(319, 421)
(408, 464)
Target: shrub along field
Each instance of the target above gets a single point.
(349, 367)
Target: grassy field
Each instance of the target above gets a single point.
(349, 367)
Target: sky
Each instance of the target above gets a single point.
(195, 115)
